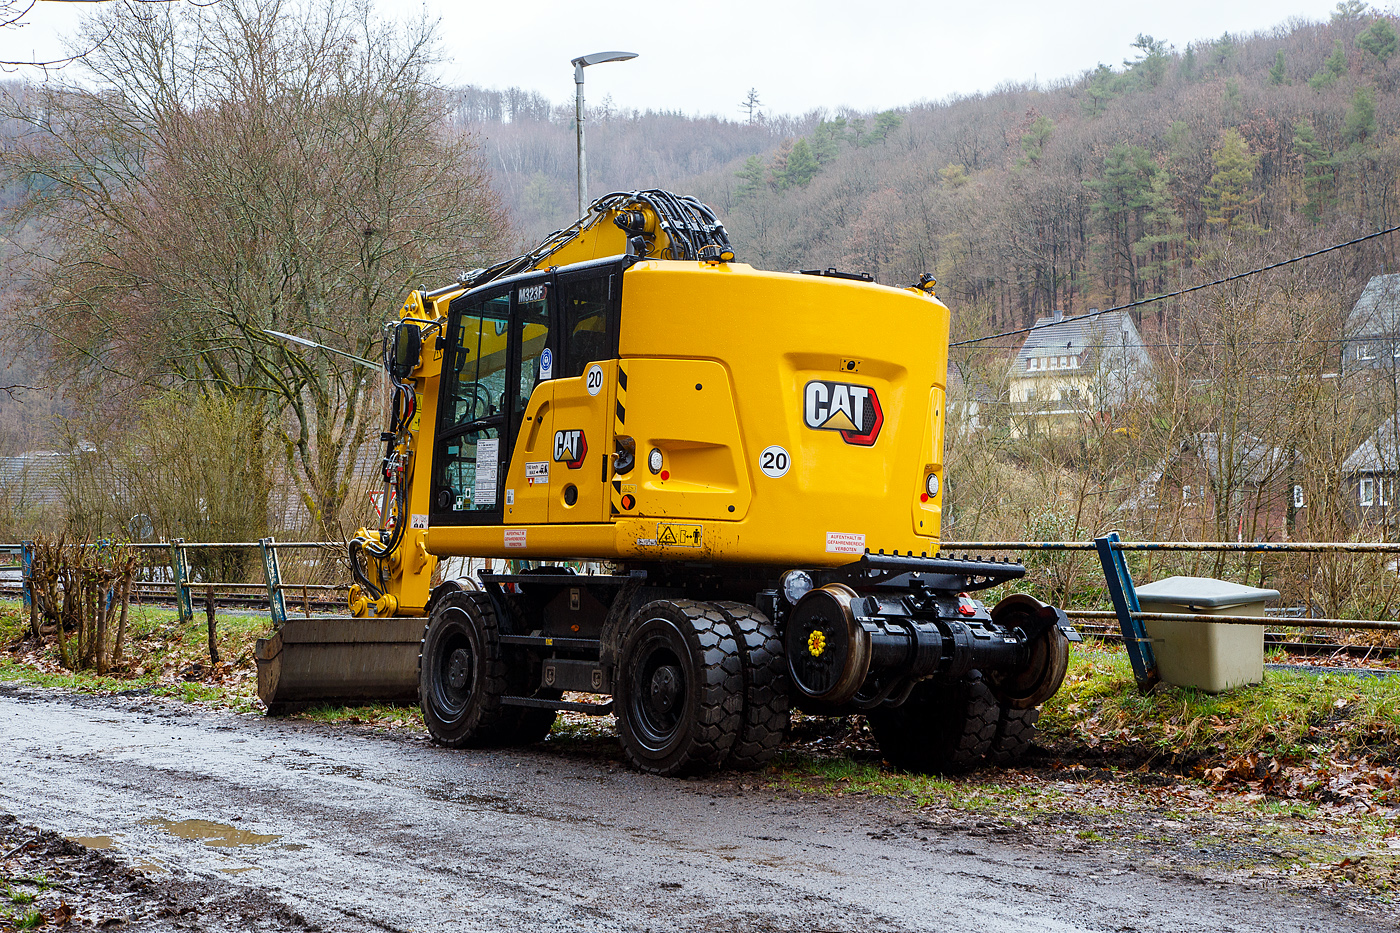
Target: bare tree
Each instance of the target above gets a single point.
(258, 165)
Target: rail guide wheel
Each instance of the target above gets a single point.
(679, 696)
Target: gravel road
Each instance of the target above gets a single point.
(289, 825)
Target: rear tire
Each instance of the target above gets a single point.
(461, 674)
(679, 696)
(941, 728)
(1015, 735)
(766, 715)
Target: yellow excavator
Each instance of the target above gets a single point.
(755, 459)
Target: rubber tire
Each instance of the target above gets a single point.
(694, 641)
(941, 728)
(1015, 735)
(471, 716)
(766, 714)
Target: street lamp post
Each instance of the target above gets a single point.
(579, 64)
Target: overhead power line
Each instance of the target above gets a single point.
(1178, 292)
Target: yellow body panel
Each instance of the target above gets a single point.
(752, 341)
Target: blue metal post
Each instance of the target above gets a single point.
(1125, 602)
(272, 569)
(180, 573)
(26, 573)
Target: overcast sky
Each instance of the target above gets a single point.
(799, 54)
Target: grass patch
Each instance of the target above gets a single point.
(1288, 715)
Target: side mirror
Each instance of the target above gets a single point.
(408, 346)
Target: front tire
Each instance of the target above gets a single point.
(679, 696)
(461, 674)
(766, 715)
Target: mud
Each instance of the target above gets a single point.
(367, 831)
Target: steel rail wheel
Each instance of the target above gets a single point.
(679, 698)
(461, 674)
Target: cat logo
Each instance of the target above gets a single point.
(570, 447)
(841, 406)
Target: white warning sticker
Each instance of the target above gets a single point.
(840, 542)
(510, 497)
(537, 472)
(515, 537)
(419, 521)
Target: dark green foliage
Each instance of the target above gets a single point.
(1319, 170)
(1228, 194)
(1332, 69)
(1035, 137)
(751, 177)
(1279, 73)
(1379, 40)
(801, 167)
(1361, 118)
(1150, 67)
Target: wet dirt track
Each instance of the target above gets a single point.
(376, 832)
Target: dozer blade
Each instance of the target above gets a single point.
(338, 660)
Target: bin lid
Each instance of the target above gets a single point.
(1205, 592)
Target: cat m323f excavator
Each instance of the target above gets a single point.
(757, 457)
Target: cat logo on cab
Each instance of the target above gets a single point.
(853, 410)
(570, 447)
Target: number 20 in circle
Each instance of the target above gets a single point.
(774, 461)
(594, 379)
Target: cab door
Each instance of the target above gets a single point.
(584, 394)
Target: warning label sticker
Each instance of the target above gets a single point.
(419, 521)
(515, 537)
(669, 534)
(537, 472)
(839, 542)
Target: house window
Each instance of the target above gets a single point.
(1365, 352)
(1297, 497)
(1074, 362)
(1368, 492)
(1064, 362)
(1031, 363)
(1190, 493)
(1395, 350)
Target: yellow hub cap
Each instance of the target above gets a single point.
(816, 644)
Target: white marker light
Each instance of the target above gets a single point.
(931, 484)
(796, 584)
(654, 460)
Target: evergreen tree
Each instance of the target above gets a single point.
(1150, 67)
(1361, 118)
(1187, 68)
(1124, 193)
(886, 122)
(1101, 88)
(1035, 137)
(1279, 73)
(1319, 170)
(750, 177)
(1227, 196)
(1332, 69)
(802, 165)
(751, 104)
(826, 139)
(1379, 40)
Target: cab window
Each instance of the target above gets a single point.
(586, 308)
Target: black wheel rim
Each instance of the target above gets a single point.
(455, 663)
(658, 699)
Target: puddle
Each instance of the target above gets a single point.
(151, 867)
(293, 846)
(214, 835)
(239, 871)
(92, 842)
